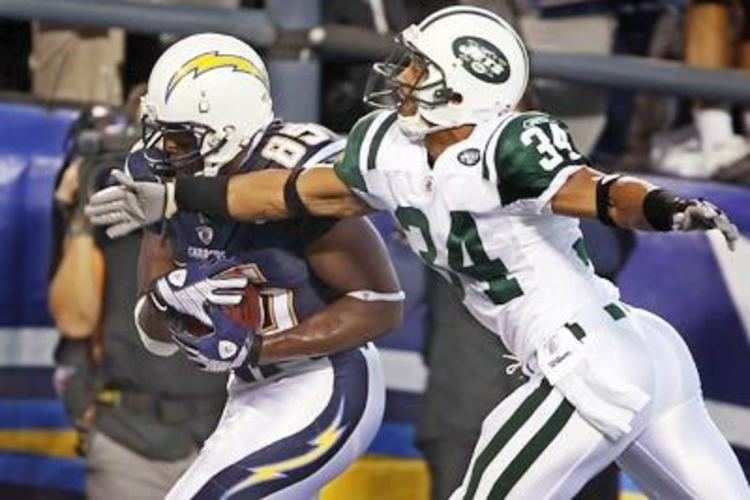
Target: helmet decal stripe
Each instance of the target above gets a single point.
(440, 14)
(208, 61)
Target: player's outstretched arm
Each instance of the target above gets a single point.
(282, 194)
(352, 259)
(266, 195)
(633, 203)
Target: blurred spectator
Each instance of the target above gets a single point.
(644, 29)
(76, 64)
(713, 39)
(85, 64)
(140, 418)
(570, 26)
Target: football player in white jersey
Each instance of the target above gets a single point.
(491, 197)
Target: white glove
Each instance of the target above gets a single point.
(131, 205)
(190, 290)
(702, 215)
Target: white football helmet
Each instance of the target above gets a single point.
(214, 86)
(477, 69)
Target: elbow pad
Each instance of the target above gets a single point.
(156, 347)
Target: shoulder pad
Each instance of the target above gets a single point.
(362, 147)
(528, 152)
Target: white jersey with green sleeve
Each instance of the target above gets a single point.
(481, 216)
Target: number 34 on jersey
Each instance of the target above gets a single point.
(472, 220)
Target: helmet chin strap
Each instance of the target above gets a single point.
(416, 128)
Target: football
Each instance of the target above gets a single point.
(248, 312)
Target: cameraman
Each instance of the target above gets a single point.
(141, 418)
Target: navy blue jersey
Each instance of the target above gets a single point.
(290, 290)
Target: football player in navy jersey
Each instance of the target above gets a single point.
(306, 393)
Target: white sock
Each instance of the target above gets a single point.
(714, 126)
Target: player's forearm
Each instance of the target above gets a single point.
(153, 322)
(627, 197)
(155, 259)
(618, 201)
(266, 195)
(75, 294)
(345, 324)
(257, 195)
(153, 330)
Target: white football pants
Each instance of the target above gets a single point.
(284, 439)
(535, 445)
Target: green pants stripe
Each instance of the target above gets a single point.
(506, 432)
(533, 449)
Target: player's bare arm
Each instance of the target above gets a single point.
(352, 259)
(633, 203)
(154, 260)
(320, 190)
(577, 198)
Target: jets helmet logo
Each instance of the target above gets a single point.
(469, 157)
(209, 61)
(482, 59)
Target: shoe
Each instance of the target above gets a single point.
(726, 154)
(683, 159)
(689, 159)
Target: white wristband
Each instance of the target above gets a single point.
(372, 296)
(157, 347)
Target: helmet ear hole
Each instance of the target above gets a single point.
(456, 98)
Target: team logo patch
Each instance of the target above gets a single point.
(177, 278)
(482, 59)
(209, 61)
(469, 157)
(205, 234)
(227, 349)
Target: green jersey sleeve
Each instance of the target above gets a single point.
(534, 157)
(357, 167)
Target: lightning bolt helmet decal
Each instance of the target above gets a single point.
(203, 63)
